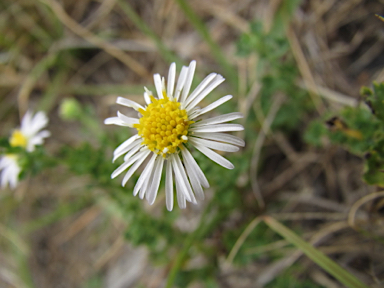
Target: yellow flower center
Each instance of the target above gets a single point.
(164, 126)
(18, 139)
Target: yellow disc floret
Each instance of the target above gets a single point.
(18, 139)
(164, 126)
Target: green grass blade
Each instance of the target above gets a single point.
(136, 19)
(315, 255)
(215, 48)
(42, 66)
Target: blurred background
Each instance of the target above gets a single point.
(295, 69)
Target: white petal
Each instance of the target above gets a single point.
(134, 167)
(143, 189)
(182, 177)
(179, 177)
(26, 121)
(216, 82)
(147, 95)
(114, 121)
(6, 161)
(180, 82)
(37, 139)
(222, 137)
(10, 172)
(3, 162)
(158, 85)
(193, 178)
(200, 87)
(180, 195)
(128, 163)
(128, 120)
(218, 128)
(129, 103)
(118, 121)
(147, 178)
(32, 142)
(163, 86)
(214, 145)
(32, 125)
(152, 192)
(219, 119)
(144, 174)
(188, 158)
(211, 106)
(171, 80)
(127, 148)
(38, 122)
(43, 134)
(14, 177)
(188, 81)
(125, 144)
(169, 186)
(5, 177)
(214, 156)
(132, 151)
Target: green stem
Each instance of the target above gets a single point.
(215, 48)
(203, 228)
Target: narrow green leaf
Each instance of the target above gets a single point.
(215, 48)
(315, 255)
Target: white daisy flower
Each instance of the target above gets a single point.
(166, 127)
(29, 134)
(10, 171)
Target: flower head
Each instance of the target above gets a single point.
(27, 137)
(29, 134)
(167, 126)
(10, 171)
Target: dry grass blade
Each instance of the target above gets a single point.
(358, 204)
(241, 240)
(305, 71)
(90, 37)
(259, 144)
(79, 224)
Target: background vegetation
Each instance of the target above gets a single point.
(313, 161)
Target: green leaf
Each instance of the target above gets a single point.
(315, 255)
(375, 99)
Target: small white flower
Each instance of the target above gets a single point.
(29, 134)
(27, 137)
(10, 171)
(166, 125)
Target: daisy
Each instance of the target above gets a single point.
(10, 171)
(27, 137)
(167, 126)
(29, 134)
